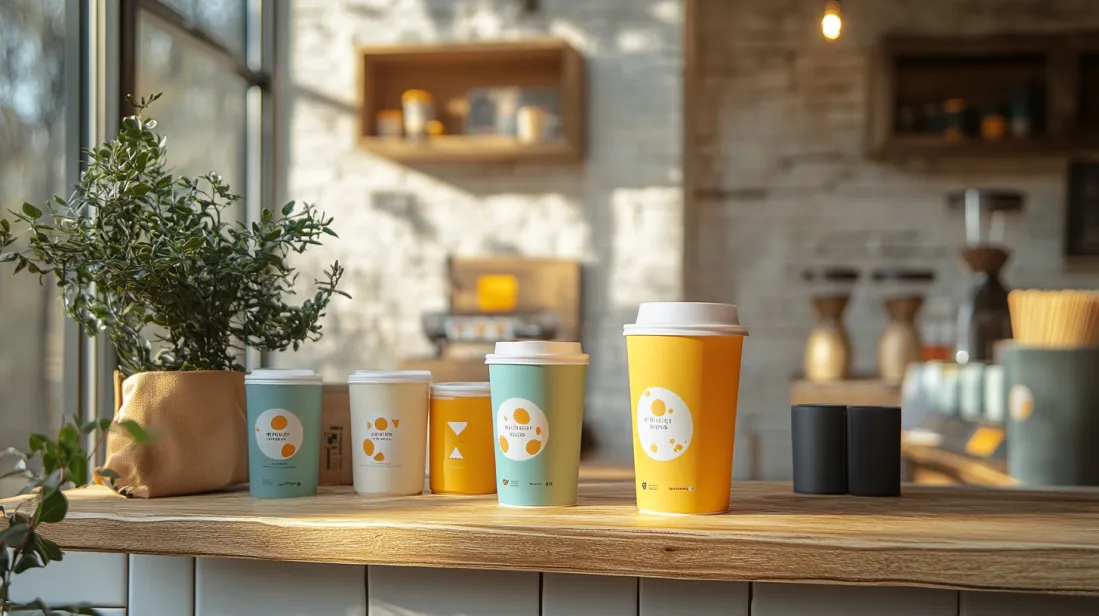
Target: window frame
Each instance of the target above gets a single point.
(109, 54)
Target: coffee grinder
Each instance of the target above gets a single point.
(828, 349)
(983, 317)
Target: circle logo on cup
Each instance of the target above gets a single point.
(664, 424)
(522, 428)
(1020, 402)
(380, 434)
(278, 434)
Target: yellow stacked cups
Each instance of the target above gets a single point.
(684, 364)
(462, 454)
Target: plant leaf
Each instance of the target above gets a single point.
(27, 560)
(78, 470)
(107, 473)
(31, 211)
(15, 535)
(53, 508)
(135, 431)
(52, 550)
(38, 442)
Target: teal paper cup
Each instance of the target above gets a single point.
(537, 413)
(284, 425)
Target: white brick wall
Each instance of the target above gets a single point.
(783, 177)
(620, 212)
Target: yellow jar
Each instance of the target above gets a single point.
(462, 457)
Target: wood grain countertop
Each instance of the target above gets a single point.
(950, 537)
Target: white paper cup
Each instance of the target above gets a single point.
(389, 430)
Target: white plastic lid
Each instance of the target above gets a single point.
(390, 376)
(474, 389)
(271, 376)
(686, 319)
(538, 353)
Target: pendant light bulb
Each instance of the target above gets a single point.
(831, 24)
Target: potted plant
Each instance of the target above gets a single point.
(153, 261)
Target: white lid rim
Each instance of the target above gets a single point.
(461, 389)
(283, 376)
(389, 377)
(639, 329)
(537, 352)
(288, 381)
(536, 360)
(686, 319)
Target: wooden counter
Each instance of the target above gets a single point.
(958, 537)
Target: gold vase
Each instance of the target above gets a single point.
(828, 350)
(900, 343)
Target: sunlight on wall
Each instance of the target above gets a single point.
(648, 246)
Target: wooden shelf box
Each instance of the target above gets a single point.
(1050, 77)
(448, 72)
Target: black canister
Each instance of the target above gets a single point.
(874, 450)
(819, 434)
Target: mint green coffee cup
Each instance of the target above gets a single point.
(284, 427)
(537, 414)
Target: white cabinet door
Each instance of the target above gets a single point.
(227, 587)
(416, 591)
(834, 600)
(1015, 604)
(162, 586)
(94, 578)
(698, 598)
(567, 594)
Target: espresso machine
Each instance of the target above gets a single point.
(983, 317)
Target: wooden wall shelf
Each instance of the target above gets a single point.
(448, 72)
(468, 149)
(1045, 79)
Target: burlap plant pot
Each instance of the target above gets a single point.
(196, 421)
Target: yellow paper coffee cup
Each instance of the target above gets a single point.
(684, 363)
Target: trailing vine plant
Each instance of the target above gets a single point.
(64, 464)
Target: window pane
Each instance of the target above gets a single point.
(203, 109)
(223, 20)
(32, 157)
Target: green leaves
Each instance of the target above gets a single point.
(31, 211)
(14, 535)
(47, 550)
(27, 560)
(135, 431)
(52, 508)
